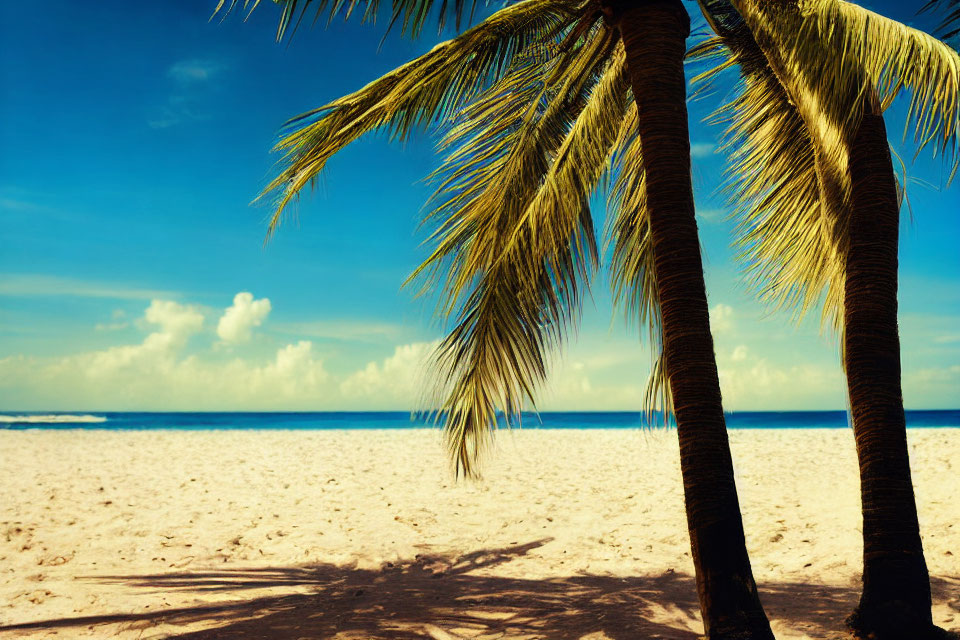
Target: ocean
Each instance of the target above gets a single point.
(114, 420)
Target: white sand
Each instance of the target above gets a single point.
(573, 534)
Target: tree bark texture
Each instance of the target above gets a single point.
(896, 586)
(654, 35)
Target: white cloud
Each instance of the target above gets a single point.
(176, 365)
(711, 215)
(596, 377)
(295, 378)
(760, 376)
(238, 320)
(747, 382)
(395, 382)
(176, 324)
(188, 102)
(756, 384)
(189, 71)
(569, 385)
(932, 387)
(594, 380)
(572, 380)
(701, 150)
(176, 321)
(935, 374)
(26, 284)
(168, 370)
(159, 374)
(721, 318)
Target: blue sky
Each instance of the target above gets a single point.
(133, 273)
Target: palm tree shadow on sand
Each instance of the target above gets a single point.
(441, 596)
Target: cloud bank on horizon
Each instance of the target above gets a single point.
(196, 358)
(162, 373)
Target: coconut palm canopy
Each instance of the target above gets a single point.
(788, 178)
(537, 116)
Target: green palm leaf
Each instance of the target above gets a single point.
(412, 14)
(838, 50)
(427, 90)
(789, 133)
(515, 239)
(774, 186)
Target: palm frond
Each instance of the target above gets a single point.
(722, 16)
(497, 152)
(841, 50)
(788, 182)
(429, 89)
(949, 29)
(896, 57)
(515, 243)
(411, 14)
(807, 70)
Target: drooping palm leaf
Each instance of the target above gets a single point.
(768, 38)
(499, 147)
(839, 50)
(427, 90)
(774, 186)
(515, 238)
(790, 132)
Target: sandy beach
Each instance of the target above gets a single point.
(364, 534)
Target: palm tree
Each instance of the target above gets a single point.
(825, 215)
(538, 97)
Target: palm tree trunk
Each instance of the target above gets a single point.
(896, 587)
(654, 34)
(895, 602)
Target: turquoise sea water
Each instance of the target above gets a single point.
(112, 420)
